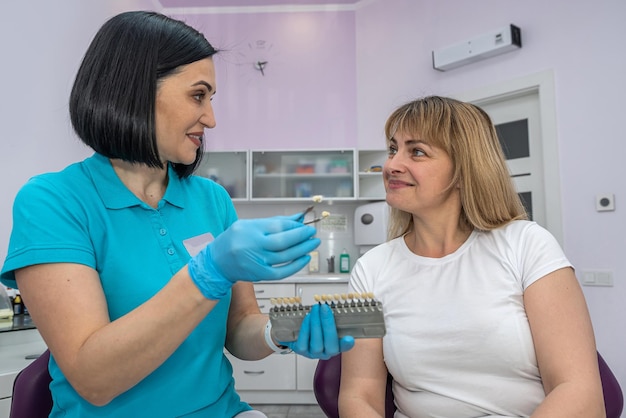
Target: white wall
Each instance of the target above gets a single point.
(42, 43)
(582, 43)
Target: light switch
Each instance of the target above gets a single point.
(597, 278)
(589, 278)
(604, 278)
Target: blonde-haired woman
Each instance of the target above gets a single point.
(484, 315)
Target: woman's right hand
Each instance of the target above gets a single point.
(317, 338)
(253, 250)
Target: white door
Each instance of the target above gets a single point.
(518, 124)
(524, 113)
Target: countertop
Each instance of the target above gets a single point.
(19, 323)
(314, 278)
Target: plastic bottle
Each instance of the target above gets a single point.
(18, 307)
(314, 264)
(344, 262)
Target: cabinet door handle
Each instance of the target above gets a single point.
(259, 373)
(259, 291)
(261, 307)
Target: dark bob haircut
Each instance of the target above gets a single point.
(112, 103)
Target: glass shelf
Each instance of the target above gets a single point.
(370, 179)
(302, 174)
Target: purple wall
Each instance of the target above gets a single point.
(307, 97)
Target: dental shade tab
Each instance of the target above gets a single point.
(356, 315)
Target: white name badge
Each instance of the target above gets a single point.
(195, 244)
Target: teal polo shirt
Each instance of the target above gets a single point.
(84, 214)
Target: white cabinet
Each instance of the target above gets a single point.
(282, 379)
(274, 372)
(5, 407)
(263, 175)
(17, 350)
(230, 169)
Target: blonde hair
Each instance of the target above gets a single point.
(466, 133)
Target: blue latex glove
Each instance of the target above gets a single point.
(318, 335)
(252, 250)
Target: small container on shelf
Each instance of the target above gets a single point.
(305, 167)
(321, 165)
(303, 189)
(6, 307)
(314, 264)
(344, 262)
(338, 166)
(331, 264)
(18, 305)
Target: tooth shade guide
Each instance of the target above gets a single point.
(356, 314)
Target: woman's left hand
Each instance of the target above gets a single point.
(318, 338)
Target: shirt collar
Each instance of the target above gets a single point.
(116, 195)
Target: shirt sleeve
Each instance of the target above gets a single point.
(540, 254)
(357, 282)
(49, 226)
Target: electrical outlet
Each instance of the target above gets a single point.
(605, 202)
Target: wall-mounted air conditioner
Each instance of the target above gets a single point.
(478, 48)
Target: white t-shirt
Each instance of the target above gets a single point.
(458, 342)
